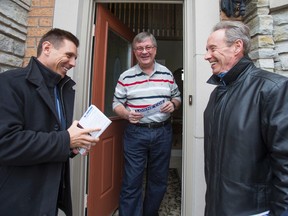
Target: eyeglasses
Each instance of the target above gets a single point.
(141, 49)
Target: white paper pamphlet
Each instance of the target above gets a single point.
(94, 118)
(151, 109)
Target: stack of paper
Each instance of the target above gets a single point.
(94, 118)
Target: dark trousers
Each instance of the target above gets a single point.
(145, 146)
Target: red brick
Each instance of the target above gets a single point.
(40, 20)
(45, 21)
(29, 52)
(31, 42)
(41, 12)
(36, 3)
(34, 32)
(32, 21)
(47, 3)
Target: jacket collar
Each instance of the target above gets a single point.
(50, 77)
(39, 74)
(36, 74)
(232, 74)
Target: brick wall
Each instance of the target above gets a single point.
(40, 20)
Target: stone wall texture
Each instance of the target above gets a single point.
(269, 26)
(13, 32)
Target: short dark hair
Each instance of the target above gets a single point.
(56, 36)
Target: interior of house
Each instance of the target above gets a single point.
(165, 22)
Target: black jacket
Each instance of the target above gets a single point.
(246, 143)
(34, 151)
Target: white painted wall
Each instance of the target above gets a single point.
(199, 20)
(76, 17)
(65, 17)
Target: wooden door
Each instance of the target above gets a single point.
(112, 55)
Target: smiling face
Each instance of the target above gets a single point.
(221, 56)
(59, 59)
(145, 57)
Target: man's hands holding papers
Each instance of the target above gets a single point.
(134, 117)
(81, 138)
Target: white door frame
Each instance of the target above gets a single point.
(198, 22)
(199, 17)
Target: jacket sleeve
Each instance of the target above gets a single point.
(27, 133)
(276, 135)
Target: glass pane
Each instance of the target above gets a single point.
(118, 60)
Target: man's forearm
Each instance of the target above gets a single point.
(121, 111)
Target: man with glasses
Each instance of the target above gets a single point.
(145, 95)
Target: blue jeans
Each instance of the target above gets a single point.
(145, 146)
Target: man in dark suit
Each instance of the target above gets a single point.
(36, 109)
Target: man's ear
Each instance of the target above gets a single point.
(46, 47)
(238, 44)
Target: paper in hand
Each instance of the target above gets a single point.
(151, 109)
(94, 118)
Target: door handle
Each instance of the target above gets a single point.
(190, 100)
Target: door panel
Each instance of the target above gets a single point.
(112, 55)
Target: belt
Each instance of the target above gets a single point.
(153, 124)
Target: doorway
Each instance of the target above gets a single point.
(165, 22)
(120, 21)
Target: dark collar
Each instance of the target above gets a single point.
(39, 75)
(232, 74)
(51, 78)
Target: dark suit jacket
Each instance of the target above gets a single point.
(34, 151)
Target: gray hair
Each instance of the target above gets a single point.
(235, 30)
(142, 36)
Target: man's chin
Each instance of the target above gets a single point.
(215, 72)
(62, 73)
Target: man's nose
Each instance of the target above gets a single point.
(207, 56)
(72, 62)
